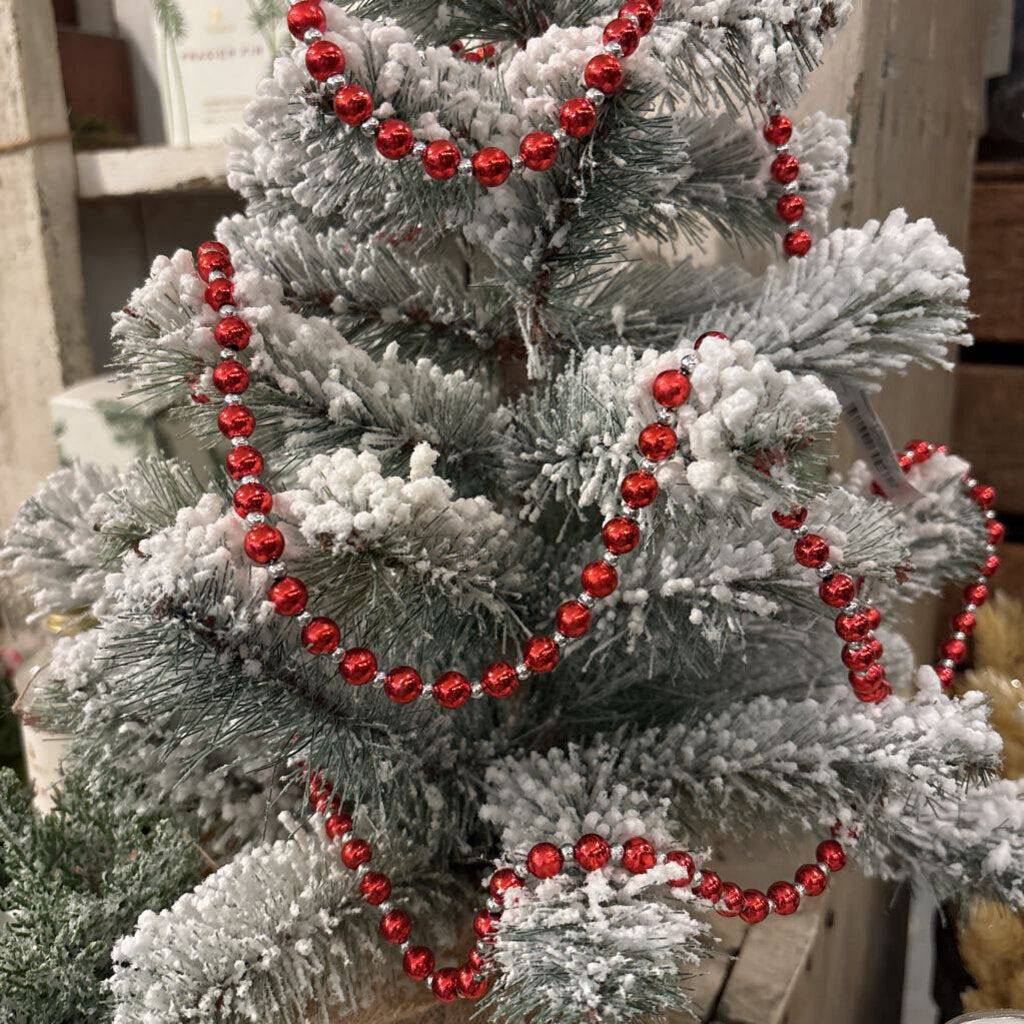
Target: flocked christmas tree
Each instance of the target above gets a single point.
(438, 363)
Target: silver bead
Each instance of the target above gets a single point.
(616, 852)
(369, 126)
(665, 415)
(970, 607)
(228, 353)
(466, 167)
(385, 907)
(791, 188)
(303, 618)
(517, 163)
(561, 640)
(522, 671)
(771, 905)
(429, 980)
(948, 663)
(826, 570)
(483, 947)
(568, 851)
(587, 600)
(232, 399)
(800, 888)
(800, 531)
(419, 149)
(688, 363)
(405, 945)
(793, 226)
(255, 518)
(239, 442)
(595, 96)
(312, 35)
(334, 83)
(561, 136)
(228, 310)
(476, 690)
(784, 148)
(647, 465)
(990, 549)
(217, 275)
(959, 635)
(970, 482)
(379, 679)
(610, 558)
(853, 606)
(277, 570)
(494, 906)
(981, 579)
(249, 480)
(697, 878)
(825, 868)
(614, 48)
(990, 513)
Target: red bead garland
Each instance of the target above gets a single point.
(785, 170)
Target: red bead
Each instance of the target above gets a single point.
(578, 117)
(790, 208)
(838, 590)
(621, 535)
(304, 16)
(244, 461)
(685, 861)
(212, 246)
(591, 852)
(264, 544)
(403, 684)
(642, 11)
(599, 579)
(491, 167)
(785, 896)
(355, 852)
(964, 622)
(485, 924)
(639, 489)
(323, 59)
(545, 860)
(976, 593)
(337, 825)
(198, 397)
(797, 243)
(874, 645)
(236, 421)
(232, 332)
(623, 32)
(778, 130)
(874, 617)
(710, 886)
(418, 962)
(395, 927)
(219, 293)
(213, 260)
(785, 168)
(326, 804)
(811, 550)
(446, 984)
(230, 378)
(920, 451)
(996, 531)
(990, 566)
(812, 878)
(321, 636)
(375, 888)
(501, 881)
(476, 960)
(868, 679)
(471, 985)
(289, 596)
(730, 903)
(792, 519)
(538, 151)
(857, 659)
(945, 674)
(252, 498)
(353, 104)
(394, 139)
(905, 461)
(441, 159)
(358, 666)
(540, 653)
(638, 855)
(831, 854)
(984, 495)
(671, 388)
(709, 334)
(755, 906)
(500, 680)
(573, 619)
(603, 72)
(852, 626)
(955, 650)
(657, 442)
(451, 690)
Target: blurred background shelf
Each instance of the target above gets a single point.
(151, 170)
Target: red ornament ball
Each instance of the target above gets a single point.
(232, 332)
(395, 927)
(375, 888)
(304, 16)
(476, 960)
(964, 622)
(578, 117)
(491, 167)
(639, 489)
(790, 208)
(471, 984)
(591, 852)
(418, 962)
(501, 881)
(984, 495)
(213, 260)
(852, 626)
(289, 596)
(709, 334)
(730, 903)
(321, 636)
(685, 861)
(785, 168)
(945, 674)
(446, 984)
(353, 104)
(244, 461)
(671, 388)
(797, 243)
(264, 544)
(323, 59)
(638, 855)
(990, 566)
(451, 690)
(792, 519)
(394, 139)
(755, 906)
(545, 860)
(954, 650)
(538, 151)
(640, 11)
(831, 854)
(212, 246)
(996, 532)
(778, 130)
(441, 159)
(403, 684)
(230, 377)
(623, 32)
(236, 421)
(573, 619)
(358, 666)
(603, 72)
(599, 579)
(219, 293)
(785, 896)
(337, 825)
(485, 924)
(812, 878)
(838, 590)
(500, 680)
(657, 442)
(976, 593)
(709, 887)
(252, 498)
(355, 852)
(858, 658)
(874, 617)
(621, 535)
(811, 550)
(540, 654)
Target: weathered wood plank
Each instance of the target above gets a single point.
(995, 259)
(151, 170)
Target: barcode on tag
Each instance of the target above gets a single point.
(878, 450)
